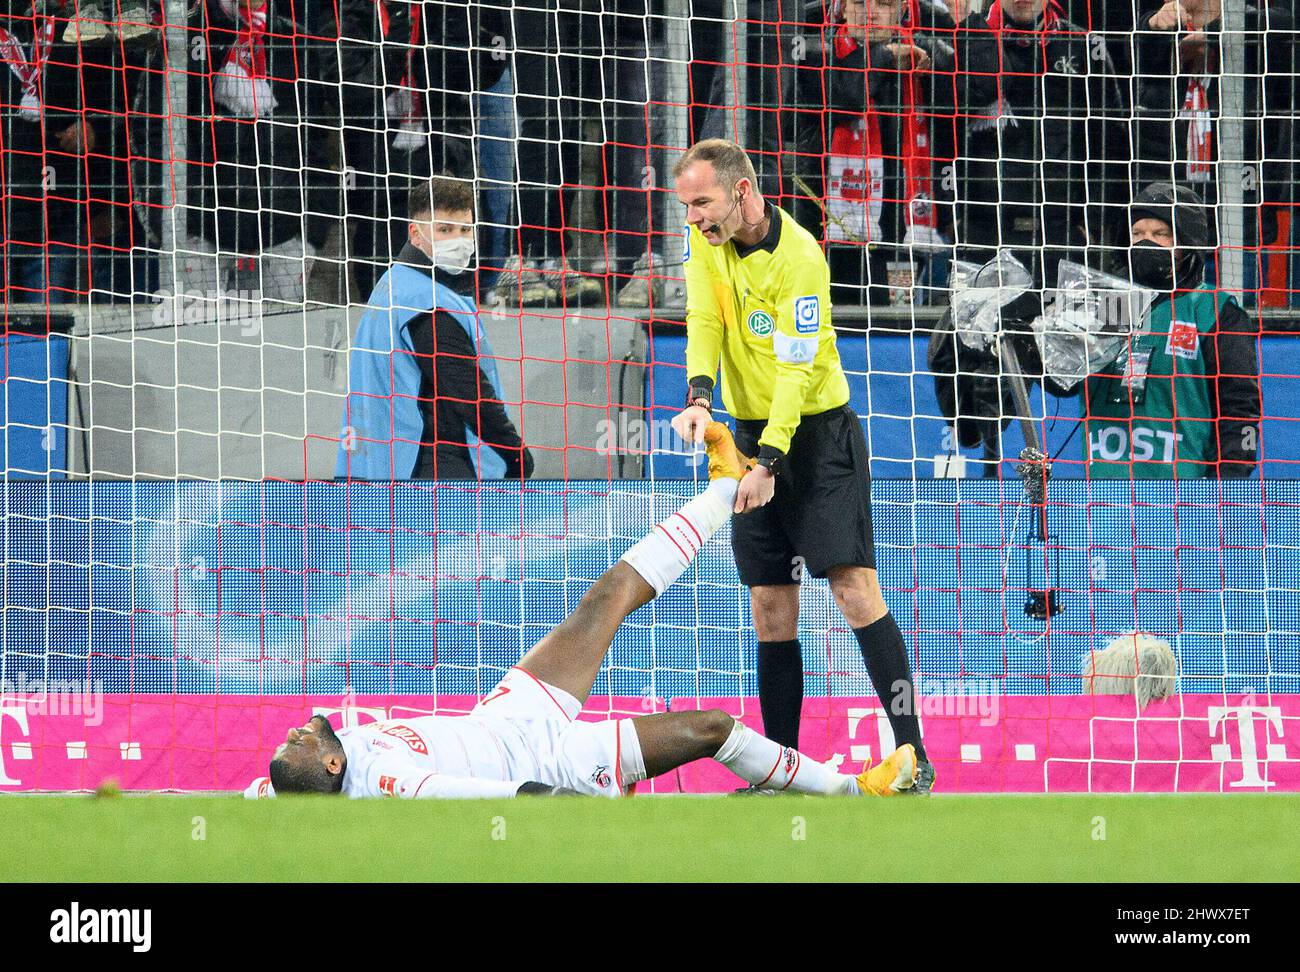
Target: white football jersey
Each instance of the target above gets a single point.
(525, 731)
(436, 756)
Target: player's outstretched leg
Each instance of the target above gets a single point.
(570, 656)
(672, 739)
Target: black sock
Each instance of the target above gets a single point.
(885, 655)
(780, 690)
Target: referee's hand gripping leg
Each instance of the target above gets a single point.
(756, 489)
(691, 422)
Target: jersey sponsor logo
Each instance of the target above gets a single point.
(760, 323)
(600, 777)
(409, 736)
(1111, 443)
(1184, 340)
(807, 314)
(388, 786)
(686, 242)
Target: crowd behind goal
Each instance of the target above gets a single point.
(271, 144)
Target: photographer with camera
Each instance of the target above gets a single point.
(1166, 364)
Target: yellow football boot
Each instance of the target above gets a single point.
(895, 774)
(725, 460)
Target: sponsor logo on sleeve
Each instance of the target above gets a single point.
(1184, 340)
(760, 323)
(409, 736)
(807, 314)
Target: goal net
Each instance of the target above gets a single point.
(199, 199)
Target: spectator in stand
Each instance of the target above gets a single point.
(424, 399)
(92, 21)
(452, 100)
(557, 72)
(251, 165)
(1043, 160)
(401, 81)
(1179, 83)
(881, 92)
(43, 145)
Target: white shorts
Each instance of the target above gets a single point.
(594, 758)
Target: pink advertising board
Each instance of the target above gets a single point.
(979, 744)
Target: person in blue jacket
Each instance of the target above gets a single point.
(424, 399)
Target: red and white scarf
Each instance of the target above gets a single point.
(855, 193)
(1200, 130)
(28, 71)
(406, 104)
(241, 84)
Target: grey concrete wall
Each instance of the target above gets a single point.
(230, 393)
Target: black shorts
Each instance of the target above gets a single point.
(820, 515)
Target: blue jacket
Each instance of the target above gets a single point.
(383, 420)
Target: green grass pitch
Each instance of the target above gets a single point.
(953, 838)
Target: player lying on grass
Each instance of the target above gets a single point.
(524, 738)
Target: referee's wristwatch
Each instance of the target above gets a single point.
(772, 459)
(700, 394)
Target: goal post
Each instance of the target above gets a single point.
(200, 198)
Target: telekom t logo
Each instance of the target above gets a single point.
(19, 714)
(351, 714)
(1245, 719)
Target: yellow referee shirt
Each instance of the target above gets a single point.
(765, 311)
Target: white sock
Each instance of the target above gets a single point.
(666, 551)
(758, 760)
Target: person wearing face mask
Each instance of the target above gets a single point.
(1182, 400)
(424, 399)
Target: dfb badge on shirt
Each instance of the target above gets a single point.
(1184, 340)
(807, 314)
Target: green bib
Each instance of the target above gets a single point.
(1152, 414)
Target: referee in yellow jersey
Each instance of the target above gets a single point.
(758, 301)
